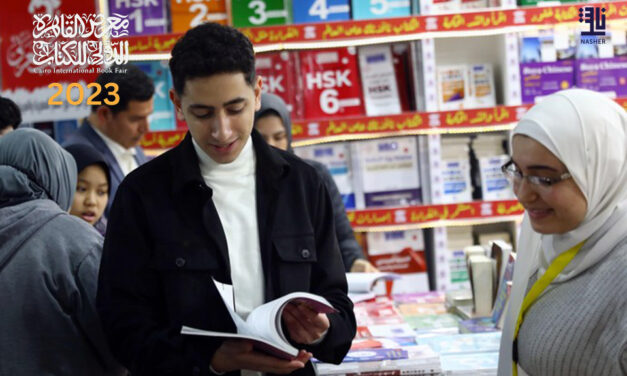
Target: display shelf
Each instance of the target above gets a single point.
(307, 132)
(389, 30)
(427, 216)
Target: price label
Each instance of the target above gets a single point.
(145, 16)
(190, 13)
(306, 11)
(162, 118)
(380, 8)
(259, 12)
(332, 85)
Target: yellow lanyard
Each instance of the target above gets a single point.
(538, 287)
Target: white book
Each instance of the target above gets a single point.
(453, 87)
(378, 80)
(482, 85)
(364, 282)
(482, 270)
(386, 172)
(263, 326)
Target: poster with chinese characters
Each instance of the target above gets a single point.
(186, 14)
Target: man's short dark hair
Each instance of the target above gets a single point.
(133, 84)
(210, 49)
(10, 114)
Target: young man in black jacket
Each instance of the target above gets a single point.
(221, 205)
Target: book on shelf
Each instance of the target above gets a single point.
(482, 270)
(401, 252)
(263, 326)
(420, 360)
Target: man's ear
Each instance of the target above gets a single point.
(104, 114)
(257, 89)
(176, 100)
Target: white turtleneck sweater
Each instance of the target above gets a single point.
(234, 196)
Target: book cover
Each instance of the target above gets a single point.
(378, 78)
(336, 157)
(163, 115)
(478, 325)
(306, 11)
(363, 10)
(62, 129)
(144, 17)
(542, 79)
(482, 91)
(186, 14)
(263, 326)
(246, 13)
(279, 74)
(374, 355)
(426, 323)
(386, 172)
(332, 86)
(472, 343)
(453, 87)
(401, 252)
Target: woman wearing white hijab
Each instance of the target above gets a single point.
(568, 307)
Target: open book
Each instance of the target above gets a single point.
(360, 285)
(263, 326)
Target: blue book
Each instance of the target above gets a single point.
(306, 11)
(163, 117)
(369, 9)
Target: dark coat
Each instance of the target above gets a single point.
(86, 135)
(165, 241)
(349, 248)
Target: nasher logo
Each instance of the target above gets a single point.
(595, 17)
(73, 43)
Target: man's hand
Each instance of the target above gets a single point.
(363, 266)
(239, 354)
(303, 324)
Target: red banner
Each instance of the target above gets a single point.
(408, 122)
(402, 26)
(433, 213)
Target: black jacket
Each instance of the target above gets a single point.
(165, 242)
(349, 248)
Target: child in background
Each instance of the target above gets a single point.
(92, 189)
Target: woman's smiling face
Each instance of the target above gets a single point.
(556, 209)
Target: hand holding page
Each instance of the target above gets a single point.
(264, 326)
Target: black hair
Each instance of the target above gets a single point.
(133, 85)
(210, 49)
(10, 114)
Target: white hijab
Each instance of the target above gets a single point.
(587, 132)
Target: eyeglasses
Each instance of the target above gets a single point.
(515, 176)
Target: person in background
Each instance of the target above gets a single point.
(274, 123)
(92, 189)
(48, 265)
(220, 205)
(10, 116)
(116, 130)
(567, 311)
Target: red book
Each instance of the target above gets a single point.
(331, 83)
(279, 73)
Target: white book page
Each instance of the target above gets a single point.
(228, 297)
(266, 319)
(363, 282)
